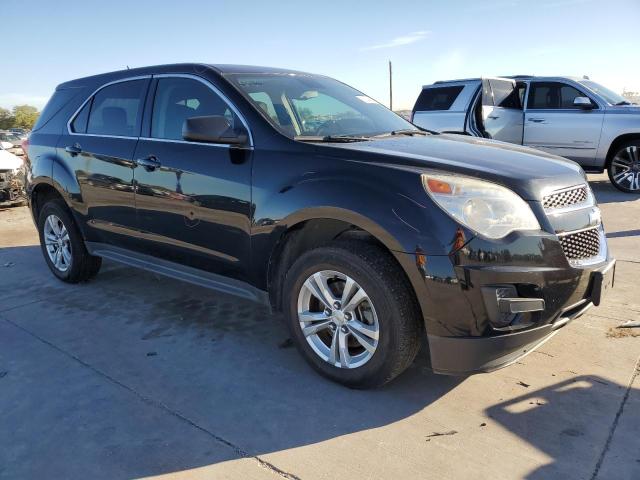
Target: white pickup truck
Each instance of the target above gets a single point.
(574, 118)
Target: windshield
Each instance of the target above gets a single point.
(302, 105)
(609, 95)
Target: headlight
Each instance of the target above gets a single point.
(490, 209)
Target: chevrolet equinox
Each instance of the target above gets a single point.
(300, 192)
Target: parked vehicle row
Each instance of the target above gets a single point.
(12, 175)
(297, 191)
(12, 141)
(572, 117)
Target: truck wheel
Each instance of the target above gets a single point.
(624, 167)
(352, 314)
(63, 246)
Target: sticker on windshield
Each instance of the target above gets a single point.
(365, 99)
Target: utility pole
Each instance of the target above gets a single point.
(390, 87)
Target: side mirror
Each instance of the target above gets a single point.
(212, 129)
(583, 102)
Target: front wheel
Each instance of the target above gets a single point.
(352, 314)
(624, 167)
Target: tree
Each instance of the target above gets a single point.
(6, 119)
(24, 116)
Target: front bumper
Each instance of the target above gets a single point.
(468, 355)
(463, 334)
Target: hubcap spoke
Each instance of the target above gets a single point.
(50, 239)
(345, 358)
(359, 328)
(367, 343)
(349, 289)
(355, 300)
(317, 284)
(66, 255)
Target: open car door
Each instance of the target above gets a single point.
(502, 114)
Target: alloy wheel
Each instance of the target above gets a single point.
(625, 168)
(57, 243)
(338, 319)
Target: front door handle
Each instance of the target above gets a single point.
(537, 120)
(74, 149)
(149, 163)
(493, 117)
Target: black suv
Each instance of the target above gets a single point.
(302, 193)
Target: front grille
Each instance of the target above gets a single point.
(581, 245)
(566, 198)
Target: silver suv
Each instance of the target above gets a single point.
(572, 117)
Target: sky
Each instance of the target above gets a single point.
(51, 41)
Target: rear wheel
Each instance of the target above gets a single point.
(624, 167)
(352, 314)
(63, 246)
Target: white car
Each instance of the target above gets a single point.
(11, 176)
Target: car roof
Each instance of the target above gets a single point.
(512, 77)
(193, 68)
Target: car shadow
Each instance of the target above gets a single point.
(566, 422)
(222, 364)
(607, 193)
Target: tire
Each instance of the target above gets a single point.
(624, 167)
(77, 265)
(390, 307)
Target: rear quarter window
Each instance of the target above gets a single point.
(56, 103)
(437, 98)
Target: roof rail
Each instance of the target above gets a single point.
(458, 80)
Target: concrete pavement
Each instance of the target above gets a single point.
(136, 375)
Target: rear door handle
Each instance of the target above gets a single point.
(149, 163)
(74, 149)
(537, 120)
(493, 117)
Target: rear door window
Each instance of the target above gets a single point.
(437, 98)
(117, 109)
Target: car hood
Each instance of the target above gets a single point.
(528, 172)
(8, 161)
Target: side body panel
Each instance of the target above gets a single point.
(573, 134)
(618, 121)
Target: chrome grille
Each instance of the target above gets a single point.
(581, 245)
(566, 198)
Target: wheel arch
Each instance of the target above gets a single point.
(617, 142)
(315, 227)
(40, 194)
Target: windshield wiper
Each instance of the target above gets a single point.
(331, 138)
(409, 132)
(623, 102)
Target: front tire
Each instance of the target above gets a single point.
(352, 314)
(624, 167)
(62, 245)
